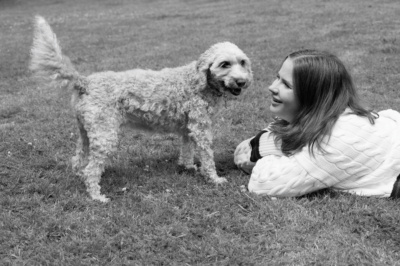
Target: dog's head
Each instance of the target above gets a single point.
(224, 67)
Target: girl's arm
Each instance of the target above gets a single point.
(252, 149)
(285, 177)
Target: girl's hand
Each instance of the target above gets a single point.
(242, 157)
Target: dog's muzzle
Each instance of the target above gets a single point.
(237, 89)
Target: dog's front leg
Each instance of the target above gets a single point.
(186, 156)
(202, 136)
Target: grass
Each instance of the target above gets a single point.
(159, 213)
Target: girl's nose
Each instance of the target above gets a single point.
(273, 87)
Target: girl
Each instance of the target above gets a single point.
(322, 136)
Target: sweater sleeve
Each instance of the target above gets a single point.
(267, 145)
(282, 176)
(263, 144)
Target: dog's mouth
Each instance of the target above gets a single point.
(233, 91)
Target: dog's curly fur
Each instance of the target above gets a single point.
(181, 100)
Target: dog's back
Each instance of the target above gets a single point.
(146, 99)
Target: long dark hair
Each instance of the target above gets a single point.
(324, 89)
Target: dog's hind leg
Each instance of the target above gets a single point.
(103, 141)
(186, 156)
(80, 160)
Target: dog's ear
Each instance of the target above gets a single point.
(203, 65)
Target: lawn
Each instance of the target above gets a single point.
(160, 214)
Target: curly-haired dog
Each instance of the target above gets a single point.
(181, 100)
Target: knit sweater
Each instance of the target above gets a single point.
(359, 157)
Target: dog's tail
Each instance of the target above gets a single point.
(48, 62)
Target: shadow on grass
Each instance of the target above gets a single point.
(224, 164)
(321, 194)
(156, 175)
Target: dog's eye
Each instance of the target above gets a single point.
(225, 64)
(243, 63)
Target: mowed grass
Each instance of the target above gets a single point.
(159, 213)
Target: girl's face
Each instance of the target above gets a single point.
(284, 103)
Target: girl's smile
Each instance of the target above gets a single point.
(284, 103)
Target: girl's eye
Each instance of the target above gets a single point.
(286, 85)
(278, 78)
(225, 64)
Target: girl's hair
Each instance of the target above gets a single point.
(324, 89)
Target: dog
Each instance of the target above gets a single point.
(181, 100)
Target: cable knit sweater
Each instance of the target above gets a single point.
(359, 157)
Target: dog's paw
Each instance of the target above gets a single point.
(101, 198)
(219, 180)
(192, 167)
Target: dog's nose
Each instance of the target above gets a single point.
(240, 83)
